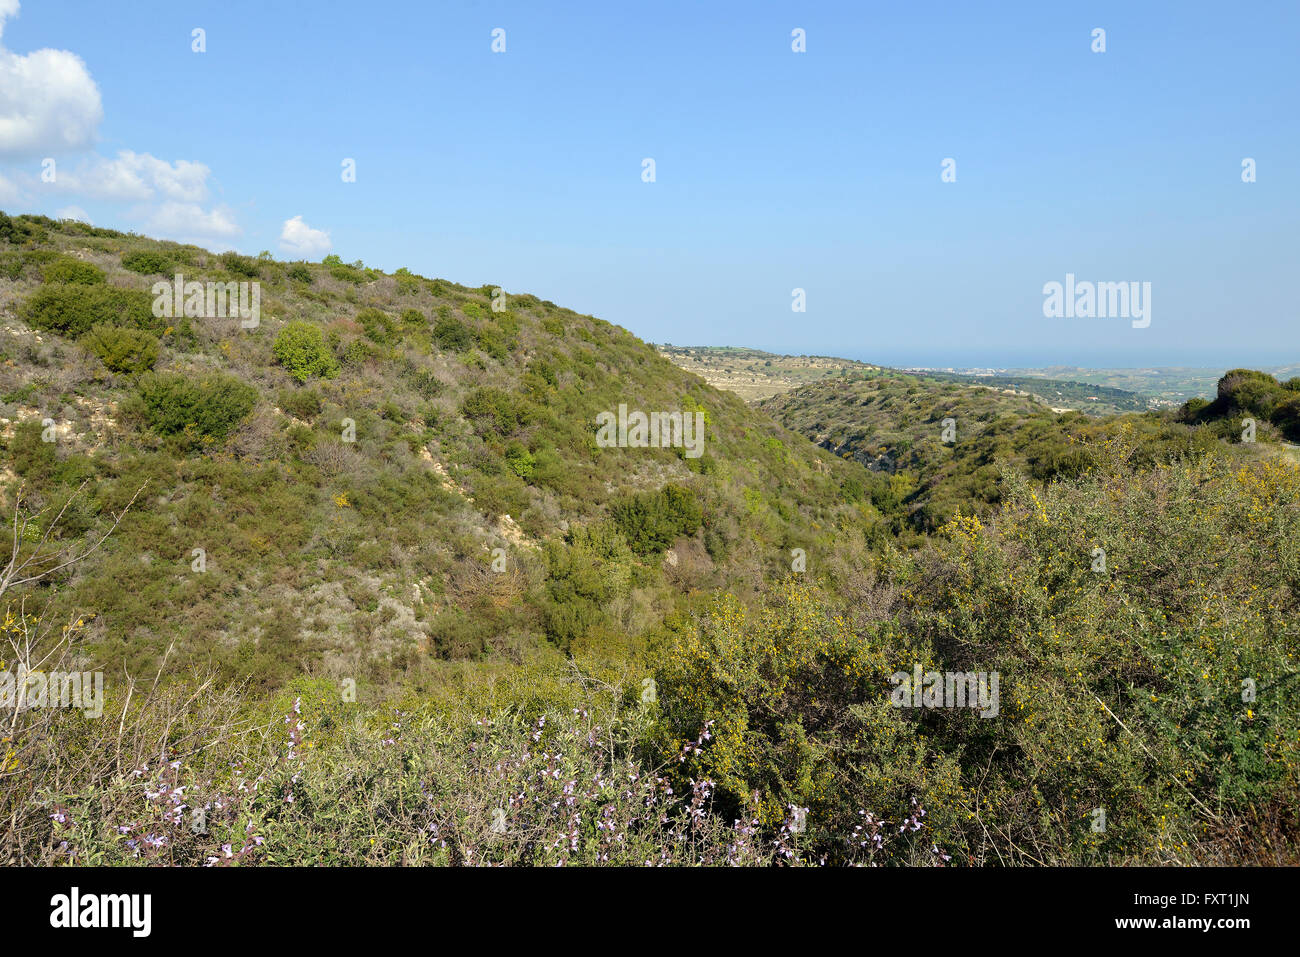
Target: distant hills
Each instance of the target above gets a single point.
(755, 375)
(942, 442)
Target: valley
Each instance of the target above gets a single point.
(397, 573)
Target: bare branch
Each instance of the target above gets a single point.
(9, 581)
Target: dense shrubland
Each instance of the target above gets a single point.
(507, 645)
(1247, 394)
(1122, 691)
(893, 424)
(367, 556)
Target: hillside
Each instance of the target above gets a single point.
(368, 551)
(754, 374)
(1061, 395)
(365, 582)
(1165, 386)
(894, 425)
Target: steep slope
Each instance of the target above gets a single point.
(324, 492)
(936, 446)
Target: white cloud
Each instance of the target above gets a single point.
(136, 176)
(73, 212)
(48, 102)
(299, 239)
(166, 196)
(190, 223)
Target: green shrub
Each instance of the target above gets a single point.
(1245, 390)
(21, 229)
(30, 456)
(130, 351)
(300, 348)
(360, 351)
(1246, 393)
(543, 371)
(240, 265)
(1118, 689)
(1286, 416)
(205, 409)
(493, 342)
(407, 281)
(585, 574)
(1066, 463)
(72, 271)
(426, 383)
(520, 461)
(377, 325)
(299, 272)
(500, 495)
(1192, 409)
(799, 710)
(495, 411)
(147, 263)
(450, 334)
(355, 273)
(650, 521)
(72, 310)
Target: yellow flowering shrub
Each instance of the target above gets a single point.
(802, 717)
(1144, 624)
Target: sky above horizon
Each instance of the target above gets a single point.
(774, 170)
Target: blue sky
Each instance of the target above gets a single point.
(774, 169)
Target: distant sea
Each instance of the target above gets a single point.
(1000, 359)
